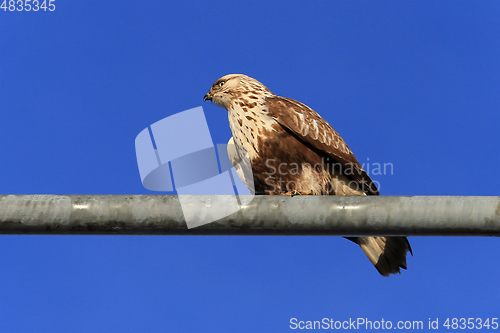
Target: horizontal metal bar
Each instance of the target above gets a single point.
(264, 215)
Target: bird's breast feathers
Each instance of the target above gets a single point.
(250, 126)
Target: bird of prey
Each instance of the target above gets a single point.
(293, 150)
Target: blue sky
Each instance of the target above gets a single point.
(412, 83)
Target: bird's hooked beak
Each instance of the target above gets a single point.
(207, 97)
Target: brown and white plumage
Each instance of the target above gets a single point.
(291, 148)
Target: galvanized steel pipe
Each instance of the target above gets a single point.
(264, 215)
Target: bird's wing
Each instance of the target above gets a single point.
(308, 126)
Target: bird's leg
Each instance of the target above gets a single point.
(294, 193)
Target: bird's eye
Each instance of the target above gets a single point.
(221, 83)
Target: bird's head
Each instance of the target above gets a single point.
(232, 86)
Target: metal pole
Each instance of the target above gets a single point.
(265, 215)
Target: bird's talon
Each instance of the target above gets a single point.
(294, 193)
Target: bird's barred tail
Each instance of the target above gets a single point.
(388, 254)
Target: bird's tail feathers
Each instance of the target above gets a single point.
(387, 254)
